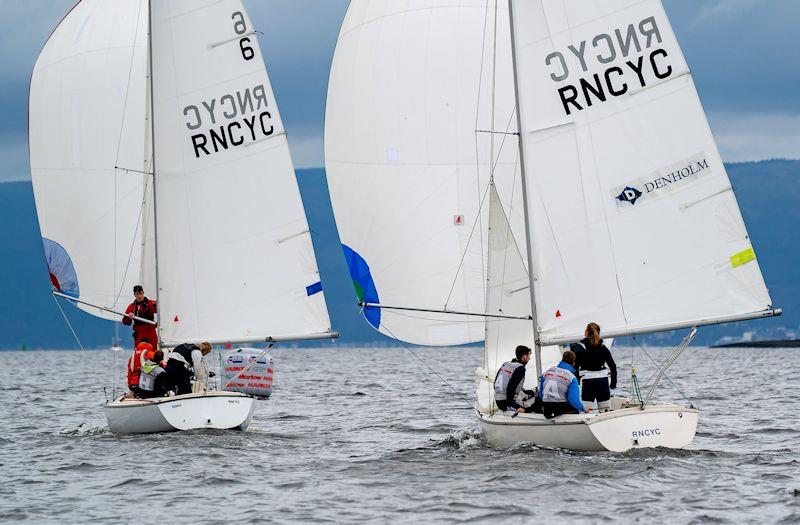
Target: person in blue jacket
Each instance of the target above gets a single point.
(559, 389)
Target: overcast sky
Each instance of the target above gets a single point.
(743, 54)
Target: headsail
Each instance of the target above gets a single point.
(87, 99)
(634, 222)
(407, 154)
(508, 293)
(235, 258)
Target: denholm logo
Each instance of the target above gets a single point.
(629, 194)
(663, 182)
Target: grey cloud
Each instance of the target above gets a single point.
(742, 53)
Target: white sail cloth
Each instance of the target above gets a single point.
(634, 223)
(87, 99)
(508, 294)
(235, 258)
(410, 85)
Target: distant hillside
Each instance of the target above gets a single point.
(768, 193)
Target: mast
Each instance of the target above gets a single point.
(149, 103)
(537, 347)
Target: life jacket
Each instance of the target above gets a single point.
(136, 361)
(183, 354)
(147, 377)
(503, 378)
(144, 310)
(555, 384)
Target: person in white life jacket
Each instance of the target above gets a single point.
(559, 389)
(184, 360)
(509, 380)
(153, 378)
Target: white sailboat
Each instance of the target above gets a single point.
(159, 157)
(511, 171)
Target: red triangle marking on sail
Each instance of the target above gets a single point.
(176, 319)
(458, 220)
(558, 314)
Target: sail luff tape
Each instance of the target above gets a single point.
(743, 257)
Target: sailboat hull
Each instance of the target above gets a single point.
(668, 426)
(217, 410)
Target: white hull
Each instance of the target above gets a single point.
(669, 426)
(217, 410)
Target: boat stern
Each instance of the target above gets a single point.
(669, 426)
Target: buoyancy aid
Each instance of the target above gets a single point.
(503, 378)
(183, 353)
(135, 363)
(144, 309)
(555, 385)
(147, 377)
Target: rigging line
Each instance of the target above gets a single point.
(128, 86)
(133, 171)
(71, 329)
(119, 145)
(133, 244)
(691, 403)
(464, 254)
(365, 304)
(509, 235)
(479, 215)
(443, 380)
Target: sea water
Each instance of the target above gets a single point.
(371, 435)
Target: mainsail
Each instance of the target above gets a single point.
(87, 99)
(633, 222)
(409, 155)
(164, 160)
(234, 251)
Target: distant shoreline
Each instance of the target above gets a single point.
(782, 343)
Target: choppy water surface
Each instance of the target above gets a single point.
(371, 435)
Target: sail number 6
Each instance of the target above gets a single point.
(240, 27)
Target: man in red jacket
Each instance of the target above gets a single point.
(146, 309)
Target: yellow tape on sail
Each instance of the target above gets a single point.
(743, 257)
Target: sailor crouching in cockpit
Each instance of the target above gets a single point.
(182, 361)
(508, 393)
(559, 389)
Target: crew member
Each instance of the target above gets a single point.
(152, 379)
(559, 389)
(182, 361)
(135, 362)
(509, 380)
(591, 359)
(146, 309)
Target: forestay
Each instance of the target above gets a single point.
(508, 294)
(86, 119)
(634, 223)
(235, 258)
(410, 84)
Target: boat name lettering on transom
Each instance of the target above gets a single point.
(659, 183)
(233, 119)
(612, 64)
(647, 432)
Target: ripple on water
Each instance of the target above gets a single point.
(398, 449)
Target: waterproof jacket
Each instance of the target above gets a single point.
(146, 309)
(589, 357)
